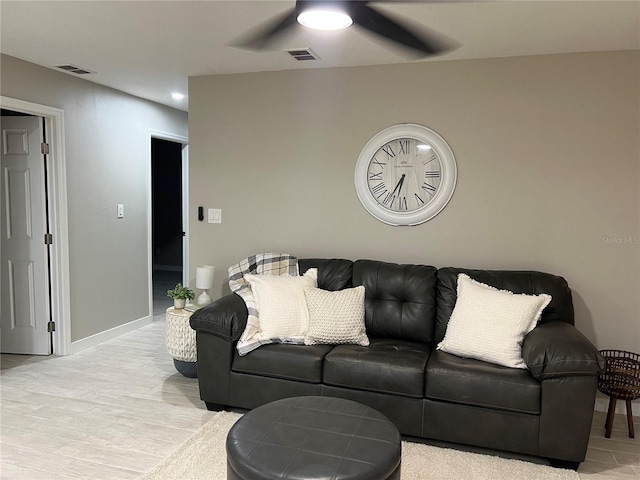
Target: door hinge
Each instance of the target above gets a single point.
(44, 148)
(48, 239)
(51, 327)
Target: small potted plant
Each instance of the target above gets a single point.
(180, 295)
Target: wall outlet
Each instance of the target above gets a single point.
(214, 215)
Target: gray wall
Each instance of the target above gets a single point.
(548, 158)
(108, 162)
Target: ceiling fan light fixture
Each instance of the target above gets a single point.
(325, 19)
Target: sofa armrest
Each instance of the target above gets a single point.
(225, 318)
(556, 349)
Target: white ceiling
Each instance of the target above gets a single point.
(150, 48)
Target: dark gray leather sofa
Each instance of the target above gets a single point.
(544, 411)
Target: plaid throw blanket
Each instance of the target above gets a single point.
(260, 264)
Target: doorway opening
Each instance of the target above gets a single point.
(167, 226)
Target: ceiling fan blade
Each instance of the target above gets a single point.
(262, 37)
(382, 25)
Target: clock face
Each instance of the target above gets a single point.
(405, 175)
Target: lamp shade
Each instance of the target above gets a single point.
(205, 276)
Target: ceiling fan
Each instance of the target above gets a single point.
(341, 14)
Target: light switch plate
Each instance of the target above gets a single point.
(120, 210)
(214, 215)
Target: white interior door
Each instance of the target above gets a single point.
(24, 279)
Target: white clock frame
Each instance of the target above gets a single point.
(445, 189)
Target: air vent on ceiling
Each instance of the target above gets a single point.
(301, 54)
(74, 69)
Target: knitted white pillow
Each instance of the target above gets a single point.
(282, 305)
(490, 324)
(336, 317)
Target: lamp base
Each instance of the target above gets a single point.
(203, 298)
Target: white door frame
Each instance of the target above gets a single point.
(185, 209)
(58, 219)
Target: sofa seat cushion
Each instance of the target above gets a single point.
(473, 382)
(388, 366)
(291, 362)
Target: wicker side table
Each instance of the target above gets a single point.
(621, 381)
(181, 342)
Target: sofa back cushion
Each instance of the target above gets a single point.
(400, 300)
(333, 274)
(531, 283)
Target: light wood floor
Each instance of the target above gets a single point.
(116, 410)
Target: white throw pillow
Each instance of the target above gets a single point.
(282, 306)
(490, 324)
(336, 317)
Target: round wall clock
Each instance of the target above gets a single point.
(405, 175)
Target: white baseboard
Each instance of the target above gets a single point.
(602, 405)
(110, 334)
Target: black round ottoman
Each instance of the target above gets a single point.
(307, 438)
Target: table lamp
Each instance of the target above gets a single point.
(204, 280)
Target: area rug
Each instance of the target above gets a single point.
(203, 456)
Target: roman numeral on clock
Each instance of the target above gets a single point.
(389, 151)
(430, 189)
(389, 199)
(432, 174)
(404, 146)
(375, 176)
(430, 159)
(379, 190)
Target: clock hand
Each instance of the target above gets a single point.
(391, 196)
(399, 185)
